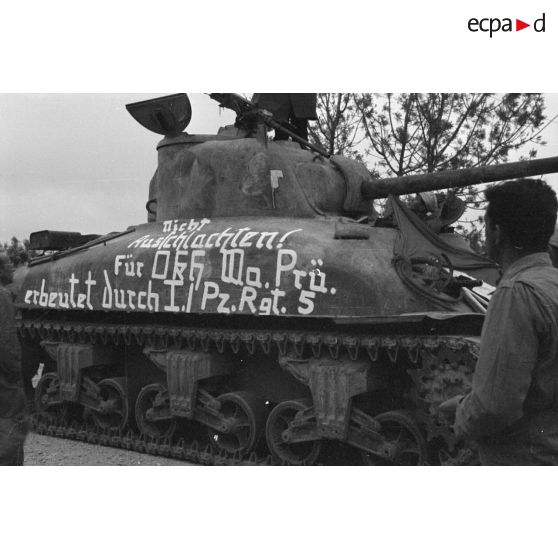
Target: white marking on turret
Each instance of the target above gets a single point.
(275, 175)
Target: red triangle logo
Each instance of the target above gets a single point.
(519, 25)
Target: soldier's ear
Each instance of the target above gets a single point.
(500, 237)
(497, 232)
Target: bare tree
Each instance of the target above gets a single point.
(337, 129)
(415, 132)
(408, 133)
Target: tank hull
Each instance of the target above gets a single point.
(186, 324)
(277, 267)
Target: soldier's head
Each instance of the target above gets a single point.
(6, 269)
(520, 218)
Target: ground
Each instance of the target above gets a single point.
(44, 450)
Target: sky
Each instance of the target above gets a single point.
(80, 162)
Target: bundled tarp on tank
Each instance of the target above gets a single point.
(416, 242)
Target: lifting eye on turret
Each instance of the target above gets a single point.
(151, 206)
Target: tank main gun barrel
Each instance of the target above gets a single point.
(414, 184)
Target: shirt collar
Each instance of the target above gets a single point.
(531, 260)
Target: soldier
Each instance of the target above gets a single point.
(13, 422)
(295, 108)
(512, 410)
(553, 248)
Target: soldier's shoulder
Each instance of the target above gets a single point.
(538, 273)
(536, 282)
(537, 276)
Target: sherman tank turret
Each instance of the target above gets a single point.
(264, 308)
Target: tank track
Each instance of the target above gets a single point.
(437, 380)
(131, 441)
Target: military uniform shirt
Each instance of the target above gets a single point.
(512, 410)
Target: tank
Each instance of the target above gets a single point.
(264, 313)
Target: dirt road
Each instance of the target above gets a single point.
(44, 451)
